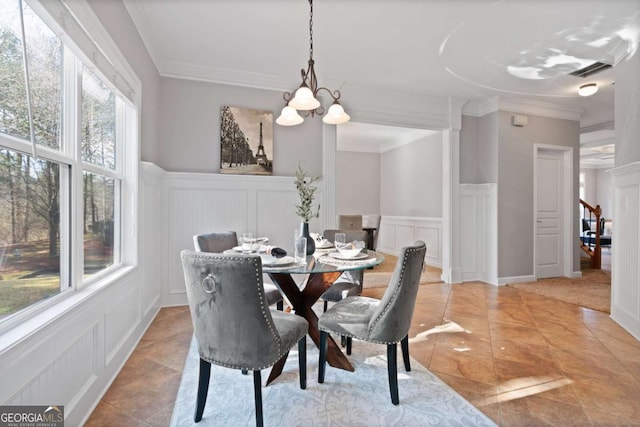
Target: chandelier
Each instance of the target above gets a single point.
(305, 100)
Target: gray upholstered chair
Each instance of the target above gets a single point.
(222, 241)
(384, 321)
(233, 325)
(350, 282)
(350, 222)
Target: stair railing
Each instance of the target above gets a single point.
(590, 242)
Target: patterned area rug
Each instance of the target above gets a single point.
(345, 398)
(592, 290)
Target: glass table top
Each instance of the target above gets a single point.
(319, 262)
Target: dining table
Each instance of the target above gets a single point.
(320, 270)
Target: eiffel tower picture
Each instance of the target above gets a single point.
(261, 157)
(246, 141)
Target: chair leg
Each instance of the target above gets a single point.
(349, 345)
(323, 356)
(325, 305)
(392, 370)
(404, 345)
(302, 361)
(257, 392)
(343, 340)
(280, 305)
(203, 389)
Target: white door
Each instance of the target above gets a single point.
(549, 197)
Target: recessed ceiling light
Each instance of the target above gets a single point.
(588, 89)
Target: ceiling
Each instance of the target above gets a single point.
(471, 49)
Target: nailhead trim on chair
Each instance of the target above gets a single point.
(394, 296)
(396, 291)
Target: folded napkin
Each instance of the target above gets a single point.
(276, 252)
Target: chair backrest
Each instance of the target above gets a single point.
(371, 221)
(350, 236)
(350, 222)
(231, 318)
(215, 242)
(392, 319)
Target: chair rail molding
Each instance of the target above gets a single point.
(625, 271)
(399, 231)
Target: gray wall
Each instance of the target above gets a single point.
(411, 179)
(190, 127)
(469, 150)
(515, 186)
(488, 136)
(357, 183)
(117, 21)
(479, 149)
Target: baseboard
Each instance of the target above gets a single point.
(516, 279)
(576, 274)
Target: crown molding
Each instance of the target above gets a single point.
(139, 15)
(479, 108)
(181, 70)
(610, 125)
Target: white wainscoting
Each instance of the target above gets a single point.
(479, 232)
(201, 203)
(75, 349)
(625, 268)
(399, 231)
(72, 359)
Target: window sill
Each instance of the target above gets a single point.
(25, 325)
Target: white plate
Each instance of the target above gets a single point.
(269, 261)
(324, 245)
(338, 255)
(263, 248)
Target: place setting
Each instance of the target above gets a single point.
(346, 253)
(272, 256)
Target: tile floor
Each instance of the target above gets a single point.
(521, 358)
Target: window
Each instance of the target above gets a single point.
(61, 165)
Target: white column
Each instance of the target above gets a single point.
(451, 271)
(328, 206)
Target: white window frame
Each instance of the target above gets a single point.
(70, 155)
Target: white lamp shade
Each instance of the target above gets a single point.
(336, 115)
(304, 100)
(588, 89)
(289, 117)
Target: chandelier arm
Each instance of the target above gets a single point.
(334, 94)
(287, 97)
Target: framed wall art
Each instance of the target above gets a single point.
(246, 141)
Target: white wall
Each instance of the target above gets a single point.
(604, 192)
(625, 269)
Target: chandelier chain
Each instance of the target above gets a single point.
(311, 29)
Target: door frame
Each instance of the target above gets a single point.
(568, 206)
